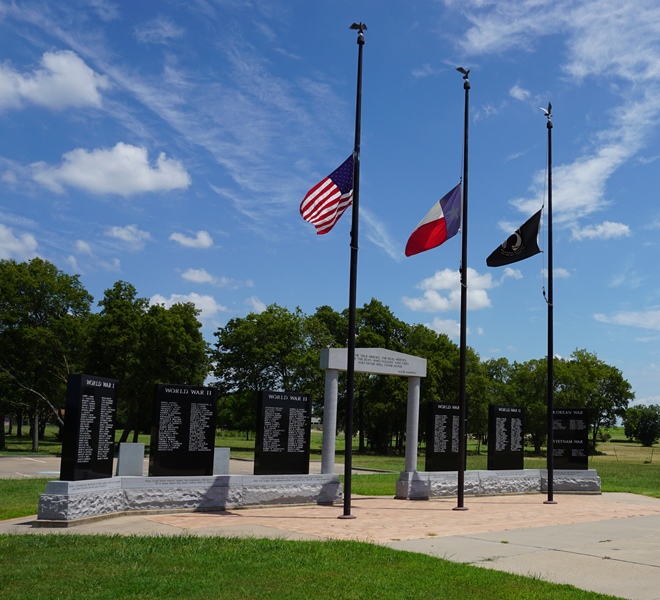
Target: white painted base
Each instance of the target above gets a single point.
(69, 501)
(423, 485)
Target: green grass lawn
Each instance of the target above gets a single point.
(69, 566)
(34, 567)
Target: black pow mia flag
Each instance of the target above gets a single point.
(521, 244)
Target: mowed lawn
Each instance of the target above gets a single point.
(34, 567)
(74, 566)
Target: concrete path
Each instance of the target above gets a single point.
(608, 543)
(27, 467)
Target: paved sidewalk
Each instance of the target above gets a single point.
(608, 543)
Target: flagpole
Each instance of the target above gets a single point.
(350, 367)
(462, 418)
(550, 302)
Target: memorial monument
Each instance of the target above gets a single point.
(571, 437)
(183, 430)
(89, 428)
(505, 438)
(442, 451)
(284, 423)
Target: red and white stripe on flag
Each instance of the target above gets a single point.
(328, 200)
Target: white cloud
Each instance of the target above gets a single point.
(123, 170)
(83, 247)
(131, 235)
(206, 304)
(605, 39)
(511, 273)
(64, 81)
(113, 265)
(202, 276)
(201, 240)
(558, 273)
(20, 247)
(448, 281)
(446, 326)
(73, 263)
(649, 319)
(519, 93)
(198, 276)
(255, 304)
(605, 231)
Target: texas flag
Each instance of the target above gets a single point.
(441, 223)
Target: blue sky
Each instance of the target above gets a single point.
(170, 144)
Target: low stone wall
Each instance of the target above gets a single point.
(65, 502)
(423, 485)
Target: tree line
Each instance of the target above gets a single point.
(48, 330)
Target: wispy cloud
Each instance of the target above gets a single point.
(647, 319)
(610, 40)
(255, 305)
(377, 233)
(158, 31)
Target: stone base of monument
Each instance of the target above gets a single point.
(424, 485)
(66, 503)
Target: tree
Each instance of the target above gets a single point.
(528, 390)
(42, 316)
(642, 424)
(263, 351)
(141, 345)
(585, 381)
(115, 352)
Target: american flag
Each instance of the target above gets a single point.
(327, 200)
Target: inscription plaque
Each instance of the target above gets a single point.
(505, 438)
(284, 423)
(571, 438)
(442, 439)
(183, 431)
(89, 428)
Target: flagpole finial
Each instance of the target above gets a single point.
(466, 73)
(548, 113)
(361, 28)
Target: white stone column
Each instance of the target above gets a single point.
(412, 424)
(329, 421)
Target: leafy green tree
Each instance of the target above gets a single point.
(141, 345)
(528, 390)
(585, 381)
(263, 351)
(115, 352)
(42, 315)
(642, 424)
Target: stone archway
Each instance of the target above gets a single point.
(377, 361)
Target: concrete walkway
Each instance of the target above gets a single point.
(608, 543)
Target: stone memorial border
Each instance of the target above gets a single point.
(424, 485)
(66, 503)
